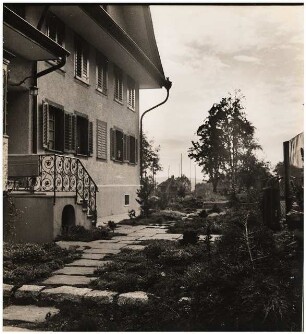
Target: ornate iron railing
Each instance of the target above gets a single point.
(59, 173)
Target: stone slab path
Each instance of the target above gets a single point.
(71, 282)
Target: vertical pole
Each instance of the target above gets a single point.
(181, 164)
(287, 175)
(195, 179)
(54, 179)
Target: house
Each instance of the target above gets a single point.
(73, 75)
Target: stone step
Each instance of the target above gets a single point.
(15, 329)
(79, 271)
(28, 313)
(68, 280)
(87, 263)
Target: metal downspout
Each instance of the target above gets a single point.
(167, 85)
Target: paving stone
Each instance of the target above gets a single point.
(85, 263)
(15, 329)
(106, 247)
(166, 236)
(72, 244)
(76, 271)
(124, 238)
(7, 290)
(28, 313)
(112, 240)
(100, 297)
(135, 247)
(90, 256)
(29, 291)
(67, 280)
(101, 251)
(64, 293)
(133, 298)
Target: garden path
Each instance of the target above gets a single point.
(71, 282)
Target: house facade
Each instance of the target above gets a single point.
(72, 127)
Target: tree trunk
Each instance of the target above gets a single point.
(215, 185)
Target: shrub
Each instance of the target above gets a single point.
(80, 233)
(26, 263)
(190, 237)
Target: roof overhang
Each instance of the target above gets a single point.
(23, 39)
(97, 27)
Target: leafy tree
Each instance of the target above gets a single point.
(253, 172)
(226, 138)
(144, 194)
(150, 156)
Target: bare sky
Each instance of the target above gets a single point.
(208, 51)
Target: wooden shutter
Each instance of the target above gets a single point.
(101, 140)
(90, 138)
(112, 144)
(45, 128)
(78, 58)
(136, 151)
(104, 88)
(99, 77)
(132, 149)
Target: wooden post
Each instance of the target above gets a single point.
(287, 175)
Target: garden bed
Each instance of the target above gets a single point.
(31, 263)
(250, 280)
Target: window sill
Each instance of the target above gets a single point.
(100, 92)
(82, 155)
(54, 151)
(131, 108)
(82, 81)
(118, 101)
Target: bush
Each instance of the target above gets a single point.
(26, 263)
(80, 233)
(190, 237)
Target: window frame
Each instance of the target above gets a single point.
(118, 85)
(57, 129)
(59, 29)
(102, 65)
(129, 199)
(131, 94)
(84, 55)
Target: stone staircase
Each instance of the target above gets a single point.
(54, 174)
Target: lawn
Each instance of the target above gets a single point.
(30, 263)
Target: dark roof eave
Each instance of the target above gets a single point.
(101, 17)
(18, 23)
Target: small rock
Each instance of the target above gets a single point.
(29, 291)
(213, 215)
(7, 290)
(100, 297)
(64, 293)
(133, 298)
(185, 300)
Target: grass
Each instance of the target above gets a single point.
(30, 263)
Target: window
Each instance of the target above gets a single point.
(123, 147)
(101, 73)
(101, 140)
(126, 200)
(55, 29)
(53, 123)
(81, 61)
(131, 94)
(118, 85)
(66, 132)
(84, 135)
